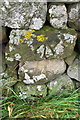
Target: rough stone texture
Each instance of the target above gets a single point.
(1, 69)
(24, 14)
(60, 84)
(28, 91)
(3, 35)
(58, 15)
(41, 71)
(11, 69)
(74, 70)
(1, 16)
(74, 16)
(69, 60)
(47, 43)
(3, 63)
(66, 1)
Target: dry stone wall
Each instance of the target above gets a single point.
(40, 56)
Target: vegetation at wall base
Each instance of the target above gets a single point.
(64, 105)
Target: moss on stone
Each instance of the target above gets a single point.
(26, 91)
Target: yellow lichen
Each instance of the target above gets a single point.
(29, 34)
(41, 38)
(21, 41)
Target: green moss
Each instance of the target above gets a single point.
(29, 90)
(70, 31)
(25, 52)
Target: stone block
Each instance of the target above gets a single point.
(64, 1)
(57, 15)
(40, 72)
(74, 16)
(74, 70)
(30, 91)
(60, 84)
(24, 14)
(47, 43)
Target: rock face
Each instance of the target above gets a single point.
(58, 16)
(11, 68)
(60, 84)
(47, 43)
(26, 91)
(74, 16)
(24, 14)
(41, 71)
(69, 60)
(67, 1)
(74, 70)
(3, 35)
(39, 58)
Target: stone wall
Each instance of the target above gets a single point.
(40, 56)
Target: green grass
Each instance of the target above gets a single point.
(65, 105)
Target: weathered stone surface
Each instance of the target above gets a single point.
(47, 43)
(3, 63)
(3, 35)
(41, 71)
(60, 84)
(58, 16)
(66, 1)
(28, 91)
(74, 70)
(1, 16)
(11, 68)
(74, 16)
(69, 60)
(24, 14)
(1, 69)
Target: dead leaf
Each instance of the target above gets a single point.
(10, 109)
(43, 116)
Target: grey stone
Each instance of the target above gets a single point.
(74, 70)
(74, 16)
(58, 16)
(29, 91)
(24, 14)
(60, 84)
(1, 15)
(40, 72)
(47, 43)
(66, 1)
(3, 35)
(69, 60)
(11, 68)
(2, 62)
